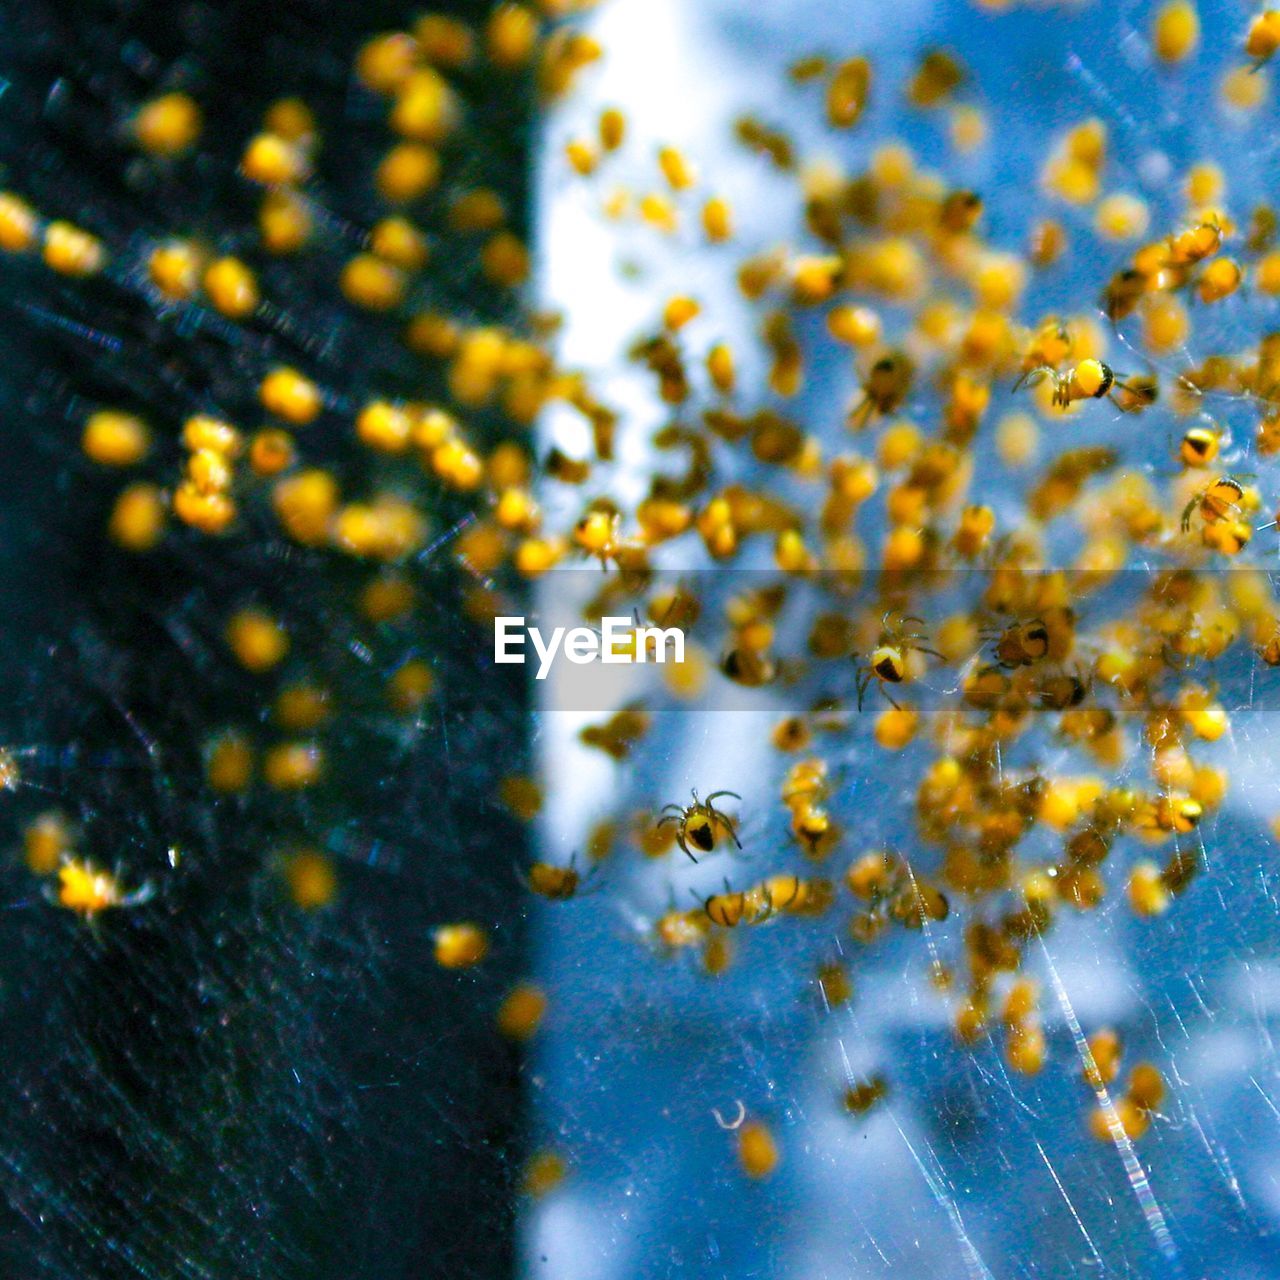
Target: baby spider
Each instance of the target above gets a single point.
(1089, 380)
(1020, 644)
(599, 533)
(1123, 293)
(1218, 500)
(747, 906)
(887, 662)
(1195, 243)
(1199, 446)
(699, 824)
(87, 890)
(554, 881)
(886, 388)
(1047, 350)
(1062, 691)
(1136, 395)
(1263, 38)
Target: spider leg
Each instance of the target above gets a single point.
(1143, 398)
(685, 847)
(715, 795)
(727, 823)
(589, 881)
(1033, 377)
(139, 896)
(859, 417)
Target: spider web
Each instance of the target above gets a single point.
(966, 1169)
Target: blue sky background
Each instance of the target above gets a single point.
(966, 1171)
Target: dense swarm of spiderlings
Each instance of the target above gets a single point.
(895, 260)
(866, 534)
